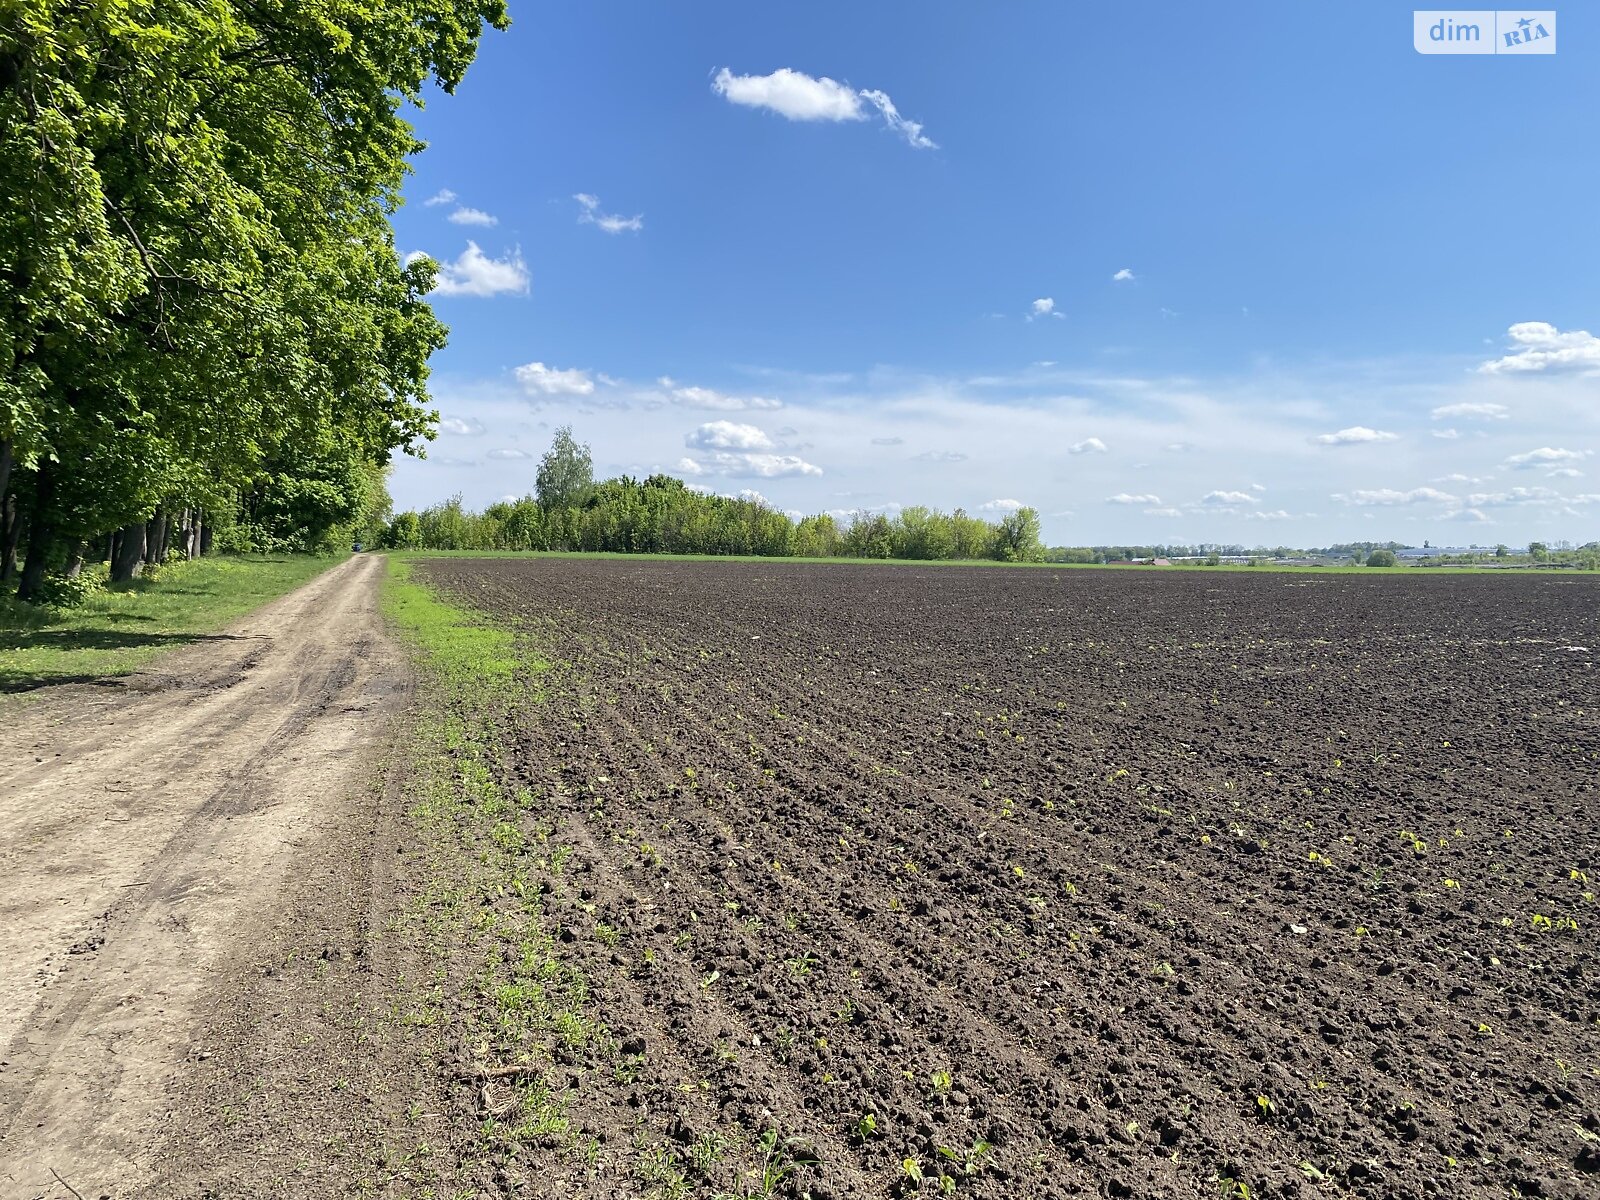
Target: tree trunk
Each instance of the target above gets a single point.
(155, 535)
(205, 537)
(41, 539)
(129, 558)
(75, 560)
(189, 544)
(10, 518)
(13, 536)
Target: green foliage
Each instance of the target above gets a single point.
(1017, 538)
(566, 473)
(311, 506)
(1382, 558)
(72, 591)
(661, 515)
(198, 281)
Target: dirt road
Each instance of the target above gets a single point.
(152, 829)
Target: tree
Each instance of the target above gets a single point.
(1381, 558)
(196, 267)
(1017, 537)
(566, 473)
(1539, 551)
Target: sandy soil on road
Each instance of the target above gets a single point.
(154, 830)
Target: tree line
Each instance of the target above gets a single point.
(206, 334)
(663, 515)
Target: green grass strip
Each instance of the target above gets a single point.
(466, 651)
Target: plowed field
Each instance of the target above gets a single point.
(1041, 883)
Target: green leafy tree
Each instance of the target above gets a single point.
(196, 266)
(566, 472)
(1381, 558)
(1017, 537)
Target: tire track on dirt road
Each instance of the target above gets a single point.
(147, 844)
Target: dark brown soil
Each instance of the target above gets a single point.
(1192, 883)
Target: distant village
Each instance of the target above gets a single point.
(1560, 555)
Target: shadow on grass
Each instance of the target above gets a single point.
(24, 680)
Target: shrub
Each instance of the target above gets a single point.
(62, 591)
(1381, 558)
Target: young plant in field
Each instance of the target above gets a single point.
(706, 1153)
(779, 1159)
(969, 1161)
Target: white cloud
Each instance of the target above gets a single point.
(1486, 412)
(792, 94)
(688, 466)
(699, 397)
(801, 97)
(1472, 516)
(1390, 498)
(1458, 477)
(472, 216)
(1219, 498)
(1092, 445)
(910, 130)
(941, 456)
(508, 454)
(888, 441)
(1000, 506)
(1447, 434)
(459, 427)
(1545, 456)
(590, 214)
(1163, 512)
(727, 435)
(1353, 435)
(1564, 473)
(750, 465)
(476, 274)
(1124, 276)
(539, 380)
(1044, 306)
(1178, 447)
(1275, 515)
(1540, 346)
(1126, 498)
(442, 196)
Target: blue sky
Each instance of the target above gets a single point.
(1166, 272)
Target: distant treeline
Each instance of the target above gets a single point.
(662, 515)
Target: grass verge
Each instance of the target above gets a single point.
(118, 630)
(500, 999)
(506, 1013)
